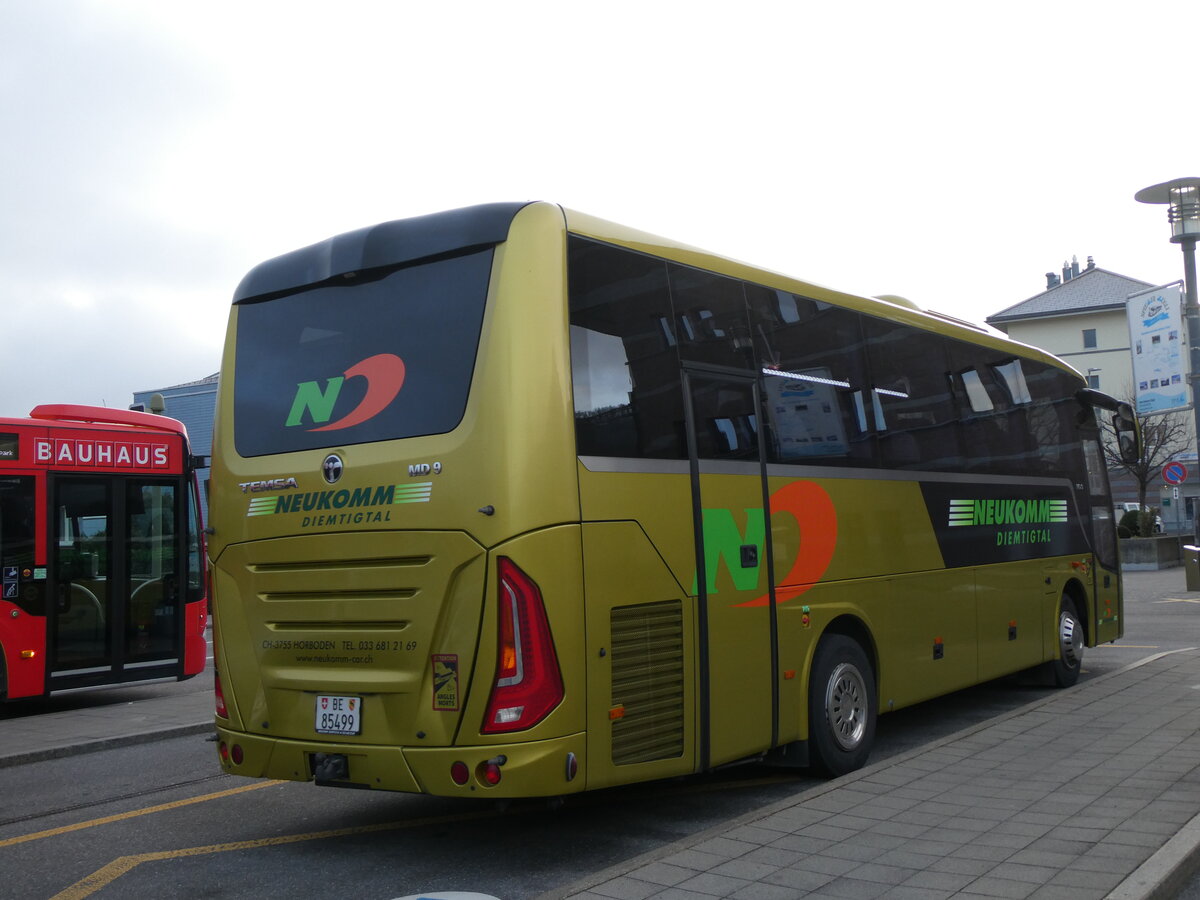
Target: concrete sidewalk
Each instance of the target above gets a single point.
(86, 729)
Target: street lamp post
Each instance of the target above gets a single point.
(1182, 197)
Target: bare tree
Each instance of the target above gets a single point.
(1164, 436)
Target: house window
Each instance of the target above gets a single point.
(1094, 381)
(1089, 339)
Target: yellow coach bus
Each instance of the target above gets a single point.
(510, 501)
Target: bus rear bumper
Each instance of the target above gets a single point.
(547, 768)
(367, 766)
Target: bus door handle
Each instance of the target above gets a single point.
(749, 556)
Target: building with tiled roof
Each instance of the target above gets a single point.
(1081, 318)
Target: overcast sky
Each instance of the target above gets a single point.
(152, 152)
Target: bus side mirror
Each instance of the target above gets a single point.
(1125, 427)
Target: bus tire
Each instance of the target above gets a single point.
(841, 706)
(1068, 659)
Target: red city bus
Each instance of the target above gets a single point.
(100, 551)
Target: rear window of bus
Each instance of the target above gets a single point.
(379, 359)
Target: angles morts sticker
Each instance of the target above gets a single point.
(445, 681)
(989, 523)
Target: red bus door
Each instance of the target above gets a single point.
(116, 567)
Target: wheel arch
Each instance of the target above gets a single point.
(1077, 593)
(856, 629)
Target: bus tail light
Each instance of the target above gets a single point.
(219, 696)
(528, 682)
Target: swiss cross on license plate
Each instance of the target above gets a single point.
(338, 715)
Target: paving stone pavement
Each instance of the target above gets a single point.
(1093, 792)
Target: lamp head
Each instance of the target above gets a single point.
(1182, 197)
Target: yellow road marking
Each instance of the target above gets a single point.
(105, 876)
(92, 823)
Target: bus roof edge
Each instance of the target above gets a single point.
(73, 412)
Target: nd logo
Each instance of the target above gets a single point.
(384, 373)
(809, 504)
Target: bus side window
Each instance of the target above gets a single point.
(813, 379)
(17, 518)
(1057, 446)
(914, 411)
(711, 311)
(993, 425)
(624, 362)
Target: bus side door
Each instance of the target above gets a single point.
(738, 694)
(115, 576)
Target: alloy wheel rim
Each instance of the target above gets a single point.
(846, 706)
(1070, 637)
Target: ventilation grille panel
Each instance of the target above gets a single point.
(647, 682)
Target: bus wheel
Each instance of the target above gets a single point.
(841, 706)
(1065, 667)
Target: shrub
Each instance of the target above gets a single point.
(1129, 525)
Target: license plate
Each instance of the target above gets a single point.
(338, 715)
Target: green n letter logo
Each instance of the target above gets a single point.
(318, 403)
(723, 541)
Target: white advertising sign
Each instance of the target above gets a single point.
(1156, 337)
(804, 410)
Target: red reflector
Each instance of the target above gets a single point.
(238, 755)
(223, 749)
(220, 696)
(459, 773)
(491, 774)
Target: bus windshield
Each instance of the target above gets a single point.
(362, 360)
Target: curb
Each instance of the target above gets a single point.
(140, 737)
(1163, 875)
